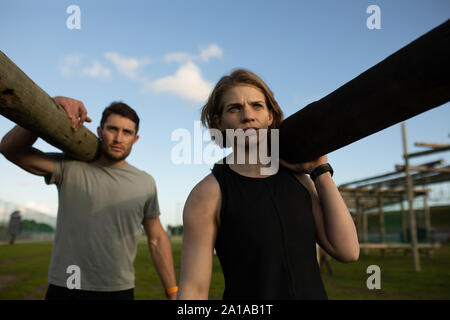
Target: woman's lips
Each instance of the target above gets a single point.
(250, 132)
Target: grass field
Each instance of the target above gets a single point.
(23, 274)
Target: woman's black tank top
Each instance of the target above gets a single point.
(266, 242)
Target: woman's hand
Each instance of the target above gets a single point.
(305, 167)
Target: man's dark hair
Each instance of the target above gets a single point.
(122, 109)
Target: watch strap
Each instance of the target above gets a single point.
(321, 170)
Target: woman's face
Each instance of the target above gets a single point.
(244, 107)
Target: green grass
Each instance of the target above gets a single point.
(148, 285)
(23, 270)
(398, 278)
(24, 266)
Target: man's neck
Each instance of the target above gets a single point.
(110, 162)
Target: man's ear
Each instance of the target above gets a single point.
(99, 132)
(136, 138)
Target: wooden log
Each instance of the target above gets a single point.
(412, 213)
(411, 81)
(428, 164)
(432, 145)
(365, 235)
(423, 169)
(428, 152)
(418, 179)
(25, 103)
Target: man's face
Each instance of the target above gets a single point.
(244, 107)
(118, 136)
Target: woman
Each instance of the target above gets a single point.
(264, 228)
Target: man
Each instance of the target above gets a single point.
(14, 225)
(264, 228)
(102, 205)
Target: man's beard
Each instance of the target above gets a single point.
(111, 157)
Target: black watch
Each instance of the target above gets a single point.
(321, 169)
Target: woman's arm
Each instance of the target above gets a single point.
(335, 228)
(199, 236)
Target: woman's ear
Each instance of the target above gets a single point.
(216, 120)
(270, 117)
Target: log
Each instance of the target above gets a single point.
(25, 103)
(411, 81)
(385, 175)
(432, 145)
(428, 152)
(423, 169)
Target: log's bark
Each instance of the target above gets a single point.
(411, 81)
(25, 103)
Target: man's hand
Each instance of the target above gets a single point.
(305, 167)
(172, 296)
(75, 111)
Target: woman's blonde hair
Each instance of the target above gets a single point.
(214, 105)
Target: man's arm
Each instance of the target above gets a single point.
(17, 144)
(161, 252)
(199, 235)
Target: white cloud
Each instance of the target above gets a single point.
(180, 57)
(187, 83)
(75, 64)
(213, 51)
(69, 64)
(127, 66)
(96, 71)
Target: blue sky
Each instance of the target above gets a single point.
(163, 57)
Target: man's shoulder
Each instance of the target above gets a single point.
(140, 172)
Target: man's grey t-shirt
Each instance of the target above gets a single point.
(99, 222)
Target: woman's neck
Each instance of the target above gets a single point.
(247, 168)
